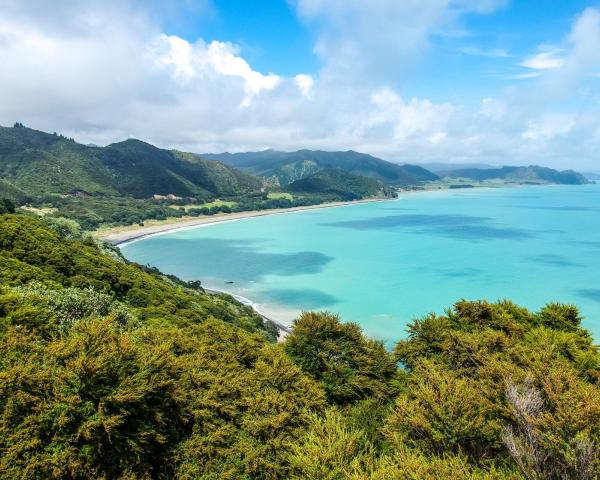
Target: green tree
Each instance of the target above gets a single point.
(6, 206)
(350, 366)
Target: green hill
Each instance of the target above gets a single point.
(132, 181)
(340, 184)
(526, 175)
(112, 370)
(287, 167)
(39, 163)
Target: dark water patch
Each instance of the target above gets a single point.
(459, 272)
(559, 208)
(461, 227)
(399, 209)
(592, 294)
(240, 260)
(552, 231)
(586, 243)
(308, 299)
(553, 260)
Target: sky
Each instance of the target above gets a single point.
(411, 81)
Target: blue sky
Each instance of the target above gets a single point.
(494, 81)
(476, 58)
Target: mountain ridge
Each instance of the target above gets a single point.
(287, 167)
(522, 174)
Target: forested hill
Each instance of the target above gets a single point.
(111, 370)
(531, 174)
(132, 181)
(287, 167)
(340, 184)
(34, 163)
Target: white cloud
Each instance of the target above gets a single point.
(523, 76)
(549, 126)
(305, 84)
(101, 73)
(199, 60)
(544, 61)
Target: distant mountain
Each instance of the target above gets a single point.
(531, 174)
(287, 167)
(591, 176)
(36, 163)
(340, 184)
(437, 167)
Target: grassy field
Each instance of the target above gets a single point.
(214, 203)
(40, 211)
(278, 195)
(449, 183)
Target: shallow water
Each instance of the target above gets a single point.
(383, 264)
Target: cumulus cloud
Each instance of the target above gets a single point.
(105, 72)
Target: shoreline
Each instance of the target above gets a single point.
(130, 233)
(284, 330)
(121, 235)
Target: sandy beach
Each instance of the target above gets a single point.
(119, 235)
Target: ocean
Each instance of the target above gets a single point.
(384, 264)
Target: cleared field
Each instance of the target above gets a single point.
(278, 195)
(215, 203)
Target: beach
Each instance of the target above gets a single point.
(120, 235)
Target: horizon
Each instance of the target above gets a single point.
(429, 166)
(460, 82)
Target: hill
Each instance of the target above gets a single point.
(340, 184)
(132, 181)
(526, 175)
(39, 163)
(287, 167)
(112, 370)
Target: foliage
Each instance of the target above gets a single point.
(110, 369)
(31, 251)
(47, 311)
(464, 370)
(65, 227)
(40, 163)
(287, 167)
(6, 206)
(530, 174)
(350, 366)
(340, 184)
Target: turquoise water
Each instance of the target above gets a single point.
(383, 264)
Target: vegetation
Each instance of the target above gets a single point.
(340, 184)
(32, 251)
(131, 182)
(109, 370)
(287, 167)
(524, 175)
(39, 163)
(278, 195)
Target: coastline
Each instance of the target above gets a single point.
(120, 235)
(123, 235)
(284, 330)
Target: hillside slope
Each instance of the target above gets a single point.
(111, 370)
(287, 167)
(340, 184)
(39, 163)
(530, 174)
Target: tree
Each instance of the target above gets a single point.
(350, 366)
(6, 206)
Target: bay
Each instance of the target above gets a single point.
(383, 264)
